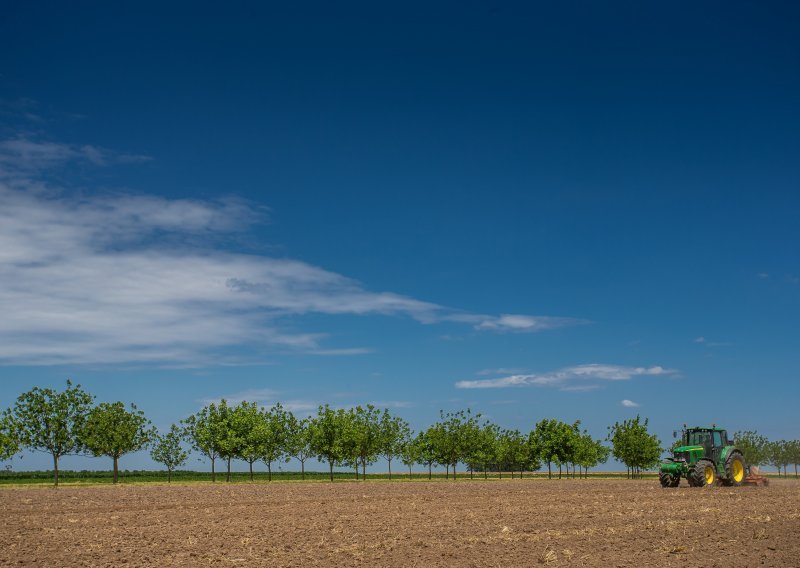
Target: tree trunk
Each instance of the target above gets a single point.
(356, 470)
(303, 470)
(228, 477)
(364, 469)
(251, 471)
(409, 471)
(485, 475)
(430, 470)
(116, 469)
(454, 472)
(559, 471)
(269, 471)
(213, 472)
(169, 476)
(330, 463)
(55, 470)
(390, 468)
(447, 471)
(549, 471)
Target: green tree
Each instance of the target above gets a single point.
(9, 441)
(364, 436)
(328, 430)
(50, 421)
(250, 433)
(793, 450)
(545, 442)
(426, 449)
(754, 447)
(452, 436)
(410, 452)
(778, 455)
(274, 443)
(513, 452)
(484, 450)
(394, 433)
(111, 430)
(590, 453)
(298, 441)
(206, 431)
(634, 446)
(167, 449)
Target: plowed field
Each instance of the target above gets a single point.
(495, 523)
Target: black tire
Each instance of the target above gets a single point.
(735, 469)
(667, 479)
(704, 473)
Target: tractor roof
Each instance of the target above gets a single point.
(709, 428)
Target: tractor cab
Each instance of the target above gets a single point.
(712, 441)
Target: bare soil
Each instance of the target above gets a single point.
(494, 523)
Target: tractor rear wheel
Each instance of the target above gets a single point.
(704, 473)
(735, 469)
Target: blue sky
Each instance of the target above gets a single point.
(581, 211)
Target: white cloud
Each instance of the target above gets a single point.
(629, 404)
(567, 377)
(500, 371)
(522, 323)
(140, 279)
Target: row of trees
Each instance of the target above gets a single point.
(69, 423)
(758, 450)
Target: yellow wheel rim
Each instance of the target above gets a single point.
(738, 470)
(709, 475)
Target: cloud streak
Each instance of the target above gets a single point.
(121, 278)
(577, 378)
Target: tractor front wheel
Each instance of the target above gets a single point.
(667, 479)
(734, 469)
(704, 473)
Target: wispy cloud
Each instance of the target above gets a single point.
(499, 371)
(569, 378)
(703, 341)
(629, 404)
(141, 279)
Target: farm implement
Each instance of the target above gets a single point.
(707, 457)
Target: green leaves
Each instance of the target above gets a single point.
(633, 445)
(51, 421)
(111, 430)
(754, 447)
(9, 440)
(168, 450)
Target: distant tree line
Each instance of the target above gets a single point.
(69, 423)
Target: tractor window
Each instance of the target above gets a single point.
(717, 440)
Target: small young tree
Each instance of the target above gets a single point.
(298, 441)
(110, 430)
(365, 436)
(410, 452)
(167, 449)
(274, 441)
(394, 433)
(426, 449)
(250, 432)
(778, 455)
(328, 430)
(633, 445)
(49, 421)
(9, 441)
(754, 447)
(544, 441)
(206, 430)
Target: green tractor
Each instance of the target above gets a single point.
(706, 456)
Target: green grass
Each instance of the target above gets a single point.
(9, 478)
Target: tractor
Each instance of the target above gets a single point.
(705, 457)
